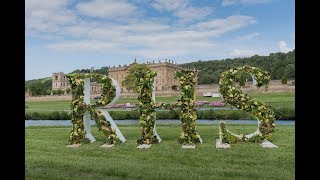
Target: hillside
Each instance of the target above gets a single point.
(277, 64)
(39, 86)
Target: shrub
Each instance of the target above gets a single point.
(242, 81)
(59, 91)
(280, 114)
(68, 90)
(284, 113)
(284, 80)
(118, 115)
(54, 92)
(132, 115)
(65, 116)
(27, 116)
(55, 115)
(174, 87)
(36, 116)
(48, 92)
(172, 114)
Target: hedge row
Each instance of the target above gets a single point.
(280, 114)
(284, 113)
(55, 115)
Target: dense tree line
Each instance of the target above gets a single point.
(39, 86)
(279, 65)
(102, 70)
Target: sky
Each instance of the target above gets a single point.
(65, 35)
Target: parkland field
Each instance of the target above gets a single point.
(274, 99)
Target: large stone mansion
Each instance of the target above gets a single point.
(164, 81)
(165, 74)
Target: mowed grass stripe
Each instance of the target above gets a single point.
(48, 158)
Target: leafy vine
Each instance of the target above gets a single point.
(144, 82)
(188, 116)
(237, 98)
(79, 107)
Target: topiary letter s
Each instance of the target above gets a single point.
(235, 97)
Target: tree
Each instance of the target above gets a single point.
(47, 83)
(205, 79)
(68, 90)
(284, 80)
(289, 71)
(276, 64)
(48, 92)
(37, 88)
(242, 80)
(59, 91)
(129, 81)
(103, 70)
(54, 92)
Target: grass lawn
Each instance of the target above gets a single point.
(40, 106)
(48, 158)
(283, 99)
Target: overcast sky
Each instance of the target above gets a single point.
(64, 35)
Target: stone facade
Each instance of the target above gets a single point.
(28, 93)
(95, 88)
(60, 81)
(165, 75)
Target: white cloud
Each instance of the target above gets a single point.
(173, 44)
(228, 2)
(242, 53)
(151, 39)
(174, 48)
(111, 31)
(106, 8)
(233, 2)
(143, 27)
(220, 26)
(182, 9)
(193, 13)
(139, 37)
(165, 37)
(33, 5)
(283, 47)
(47, 16)
(84, 46)
(248, 37)
(169, 5)
(254, 1)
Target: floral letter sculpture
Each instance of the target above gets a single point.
(188, 116)
(81, 109)
(145, 83)
(242, 101)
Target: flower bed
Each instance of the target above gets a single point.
(218, 104)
